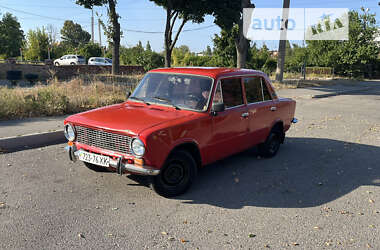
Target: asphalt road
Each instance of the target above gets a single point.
(320, 192)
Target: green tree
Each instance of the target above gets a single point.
(179, 55)
(90, 50)
(354, 57)
(229, 17)
(112, 31)
(37, 44)
(138, 56)
(224, 48)
(208, 51)
(11, 36)
(73, 35)
(183, 10)
(148, 47)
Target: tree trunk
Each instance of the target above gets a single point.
(168, 38)
(171, 17)
(241, 52)
(282, 43)
(241, 43)
(115, 37)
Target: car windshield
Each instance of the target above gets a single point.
(180, 91)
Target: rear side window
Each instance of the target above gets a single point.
(256, 89)
(253, 89)
(232, 92)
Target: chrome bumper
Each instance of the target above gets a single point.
(117, 164)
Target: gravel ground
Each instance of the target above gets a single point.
(320, 192)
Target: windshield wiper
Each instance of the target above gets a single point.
(139, 99)
(167, 101)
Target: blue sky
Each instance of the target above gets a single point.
(144, 15)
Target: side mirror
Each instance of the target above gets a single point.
(128, 94)
(217, 107)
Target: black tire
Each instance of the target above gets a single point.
(72, 63)
(272, 144)
(56, 64)
(95, 168)
(176, 176)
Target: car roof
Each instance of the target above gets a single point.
(213, 72)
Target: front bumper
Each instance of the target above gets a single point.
(117, 164)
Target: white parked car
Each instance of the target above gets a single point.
(70, 60)
(99, 61)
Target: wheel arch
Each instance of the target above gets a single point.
(278, 125)
(190, 147)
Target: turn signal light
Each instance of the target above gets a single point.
(139, 162)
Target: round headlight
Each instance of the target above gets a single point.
(70, 132)
(138, 147)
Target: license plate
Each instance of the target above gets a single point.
(96, 159)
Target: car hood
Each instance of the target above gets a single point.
(127, 118)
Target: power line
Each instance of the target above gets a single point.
(33, 14)
(161, 32)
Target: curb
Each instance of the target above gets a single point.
(341, 92)
(18, 143)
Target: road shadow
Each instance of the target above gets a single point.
(368, 88)
(307, 172)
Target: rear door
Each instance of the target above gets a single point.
(261, 108)
(230, 127)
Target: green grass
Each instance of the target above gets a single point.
(60, 98)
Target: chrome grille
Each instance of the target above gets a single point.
(104, 140)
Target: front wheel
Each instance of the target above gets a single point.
(176, 176)
(57, 64)
(272, 144)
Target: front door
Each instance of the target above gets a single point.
(230, 127)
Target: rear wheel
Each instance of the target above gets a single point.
(56, 64)
(272, 144)
(73, 63)
(176, 176)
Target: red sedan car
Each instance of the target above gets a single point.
(180, 119)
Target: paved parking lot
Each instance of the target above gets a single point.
(321, 191)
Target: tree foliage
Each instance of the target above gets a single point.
(112, 31)
(183, 10)
(137, 55)
(73, 35)
(90, 50)
(37, 45)
(11, 36)
(352, 57)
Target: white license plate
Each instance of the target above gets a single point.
(96, 159)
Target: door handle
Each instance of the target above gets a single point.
(273, 108)
(245, 115)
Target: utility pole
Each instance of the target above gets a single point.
(282, 43)
(92, 24)
(100, 34)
